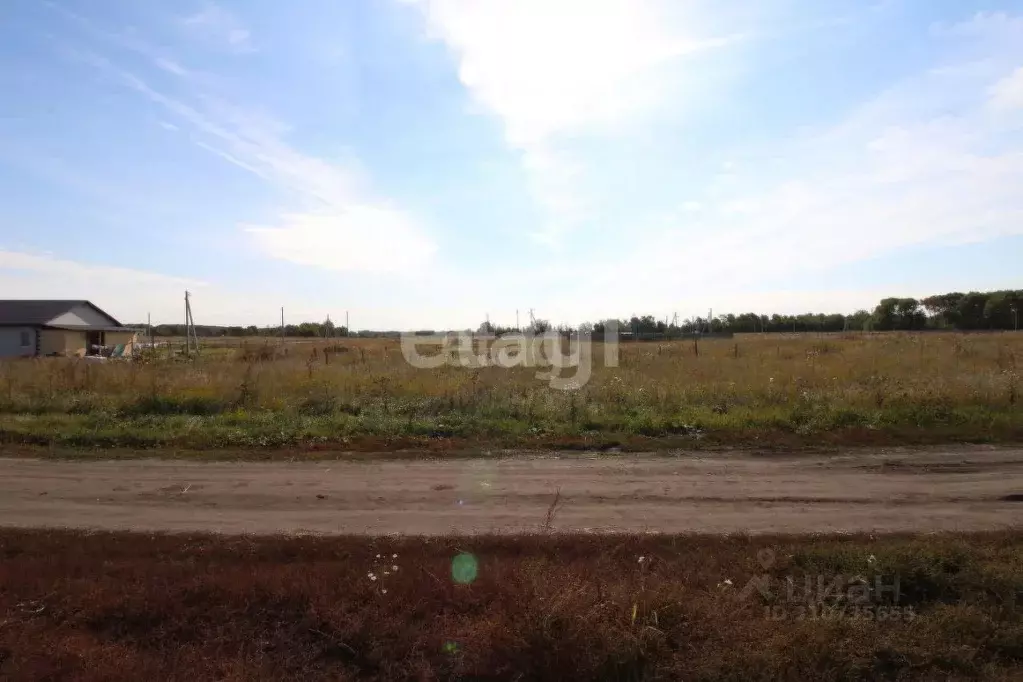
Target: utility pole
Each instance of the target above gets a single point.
(517, 327)
(191, 336)
(149, 325)
(348, 330)
(188, 338)
(282, 325)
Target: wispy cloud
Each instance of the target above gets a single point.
(48, 264)
(925, 163)
(341, 240)
(1007, 94)
(554, 72)
(170, 66)
(127, 40)
(126, 293)
(129, 293)
(220, 26)
(334, 221)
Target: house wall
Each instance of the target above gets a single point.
(61, 342)
(115, 338)
(10, 342)
(65, 342)
(83, 315)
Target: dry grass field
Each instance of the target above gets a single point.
(755, 389)
(135, 607)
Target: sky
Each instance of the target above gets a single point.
(424, 164)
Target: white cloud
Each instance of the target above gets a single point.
(1007, 94)
(991, 26)
(337, 223)
(547, 69)
(125, 293)
(923, 164)
(343, 240)
(170, 66)
(130, 294)
(216, 24)
(553, 71)
(103, 275)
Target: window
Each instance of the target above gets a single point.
(26, 340)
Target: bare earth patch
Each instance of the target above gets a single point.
(956, 488)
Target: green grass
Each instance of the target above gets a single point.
(201, 426)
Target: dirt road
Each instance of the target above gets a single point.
(894, 490)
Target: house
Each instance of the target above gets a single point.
(33, 328)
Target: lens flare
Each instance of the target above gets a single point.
(464, 568)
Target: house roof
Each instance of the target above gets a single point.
(40, 312)
(88, 328)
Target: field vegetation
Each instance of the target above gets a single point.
(754, 389)
(81, 607)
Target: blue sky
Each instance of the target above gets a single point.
(424, 163)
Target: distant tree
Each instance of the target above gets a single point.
(909, 314)
(603, 325)
(884, 315)
(970, 311)
(858, 321)
(998, 311)
(944, 309)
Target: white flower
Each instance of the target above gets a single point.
(642, 559)
(871, 559)
(394, 556)
(394, 568)
(728, 581)
(771, 380)
(378, 556)
(383, 591)
(370, 575)
(387, 573)
(373, 578)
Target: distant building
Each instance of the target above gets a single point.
(32, 328)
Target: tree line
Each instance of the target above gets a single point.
(963, 311)
(956, 310)
(325, 329)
